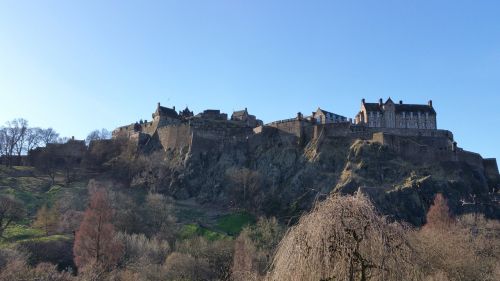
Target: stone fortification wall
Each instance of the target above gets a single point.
(346, 129)
(138, 138)
(202, 135)
(288, 126)
(216, 135)
(293, 129)
(426, 149)
(175, 136)
(129, 130)
(149, 128)
(414, 132)
(470, 158)
(491, 168)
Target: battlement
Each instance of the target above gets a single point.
(407, 128)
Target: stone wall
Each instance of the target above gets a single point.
(300, 131)
(202, 135)
(426, 149)
(175, 136)
(491, 168)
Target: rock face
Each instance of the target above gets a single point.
(282, 174)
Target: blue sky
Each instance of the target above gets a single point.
(81, 65)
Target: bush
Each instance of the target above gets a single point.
(218, 254)
(343, 238)
(140, 251)
(466, 249)
(19, 271)
(179, 266)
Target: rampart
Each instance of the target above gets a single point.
(202, 135)
(428, 149)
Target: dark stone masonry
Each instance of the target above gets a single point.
(409, 129)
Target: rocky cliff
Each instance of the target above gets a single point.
(282, 175)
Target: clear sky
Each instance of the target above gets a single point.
(82, 65)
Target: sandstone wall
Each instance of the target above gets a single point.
(175, 137)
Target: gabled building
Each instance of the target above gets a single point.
(325, 117)
(245, 117)
(164, 115)
(401, 116)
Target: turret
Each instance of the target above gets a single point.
(299, 116)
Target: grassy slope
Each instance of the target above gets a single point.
(35, 191)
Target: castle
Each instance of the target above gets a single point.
(391, 115)
(409, 129)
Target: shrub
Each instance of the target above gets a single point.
(344, 238)
(140, 251)
(179, 266)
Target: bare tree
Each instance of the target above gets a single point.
(20, 126)
(13, 137)
(344, 238)
(438, 215)
(47, 219)
(33, 138)
(48, 136)
(47, 162)
(103, 134)
(245, 260)
(11, 211)
(95, 241)
(3, 143)
(463, 248)
(247, 181)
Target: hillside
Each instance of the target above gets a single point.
(215, 207)
(274, 175)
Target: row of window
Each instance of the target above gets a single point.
(403, 114)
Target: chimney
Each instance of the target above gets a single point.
(174, 108)
(158, 104)
(363, 101)
(400, 102)
(430, 103)
(380, 102)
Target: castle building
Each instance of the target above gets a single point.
(186, 113)
(325, 117)
(400, 116)
(243, 116)
(212, 114)
(164, 115)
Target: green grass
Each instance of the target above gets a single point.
(232, 224)
(193, 230)
(22, 233)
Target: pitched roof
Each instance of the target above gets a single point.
(414, 108)
(165, 111)
(401, 107)
(326, 112)
(372, 107)
(331, 114)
